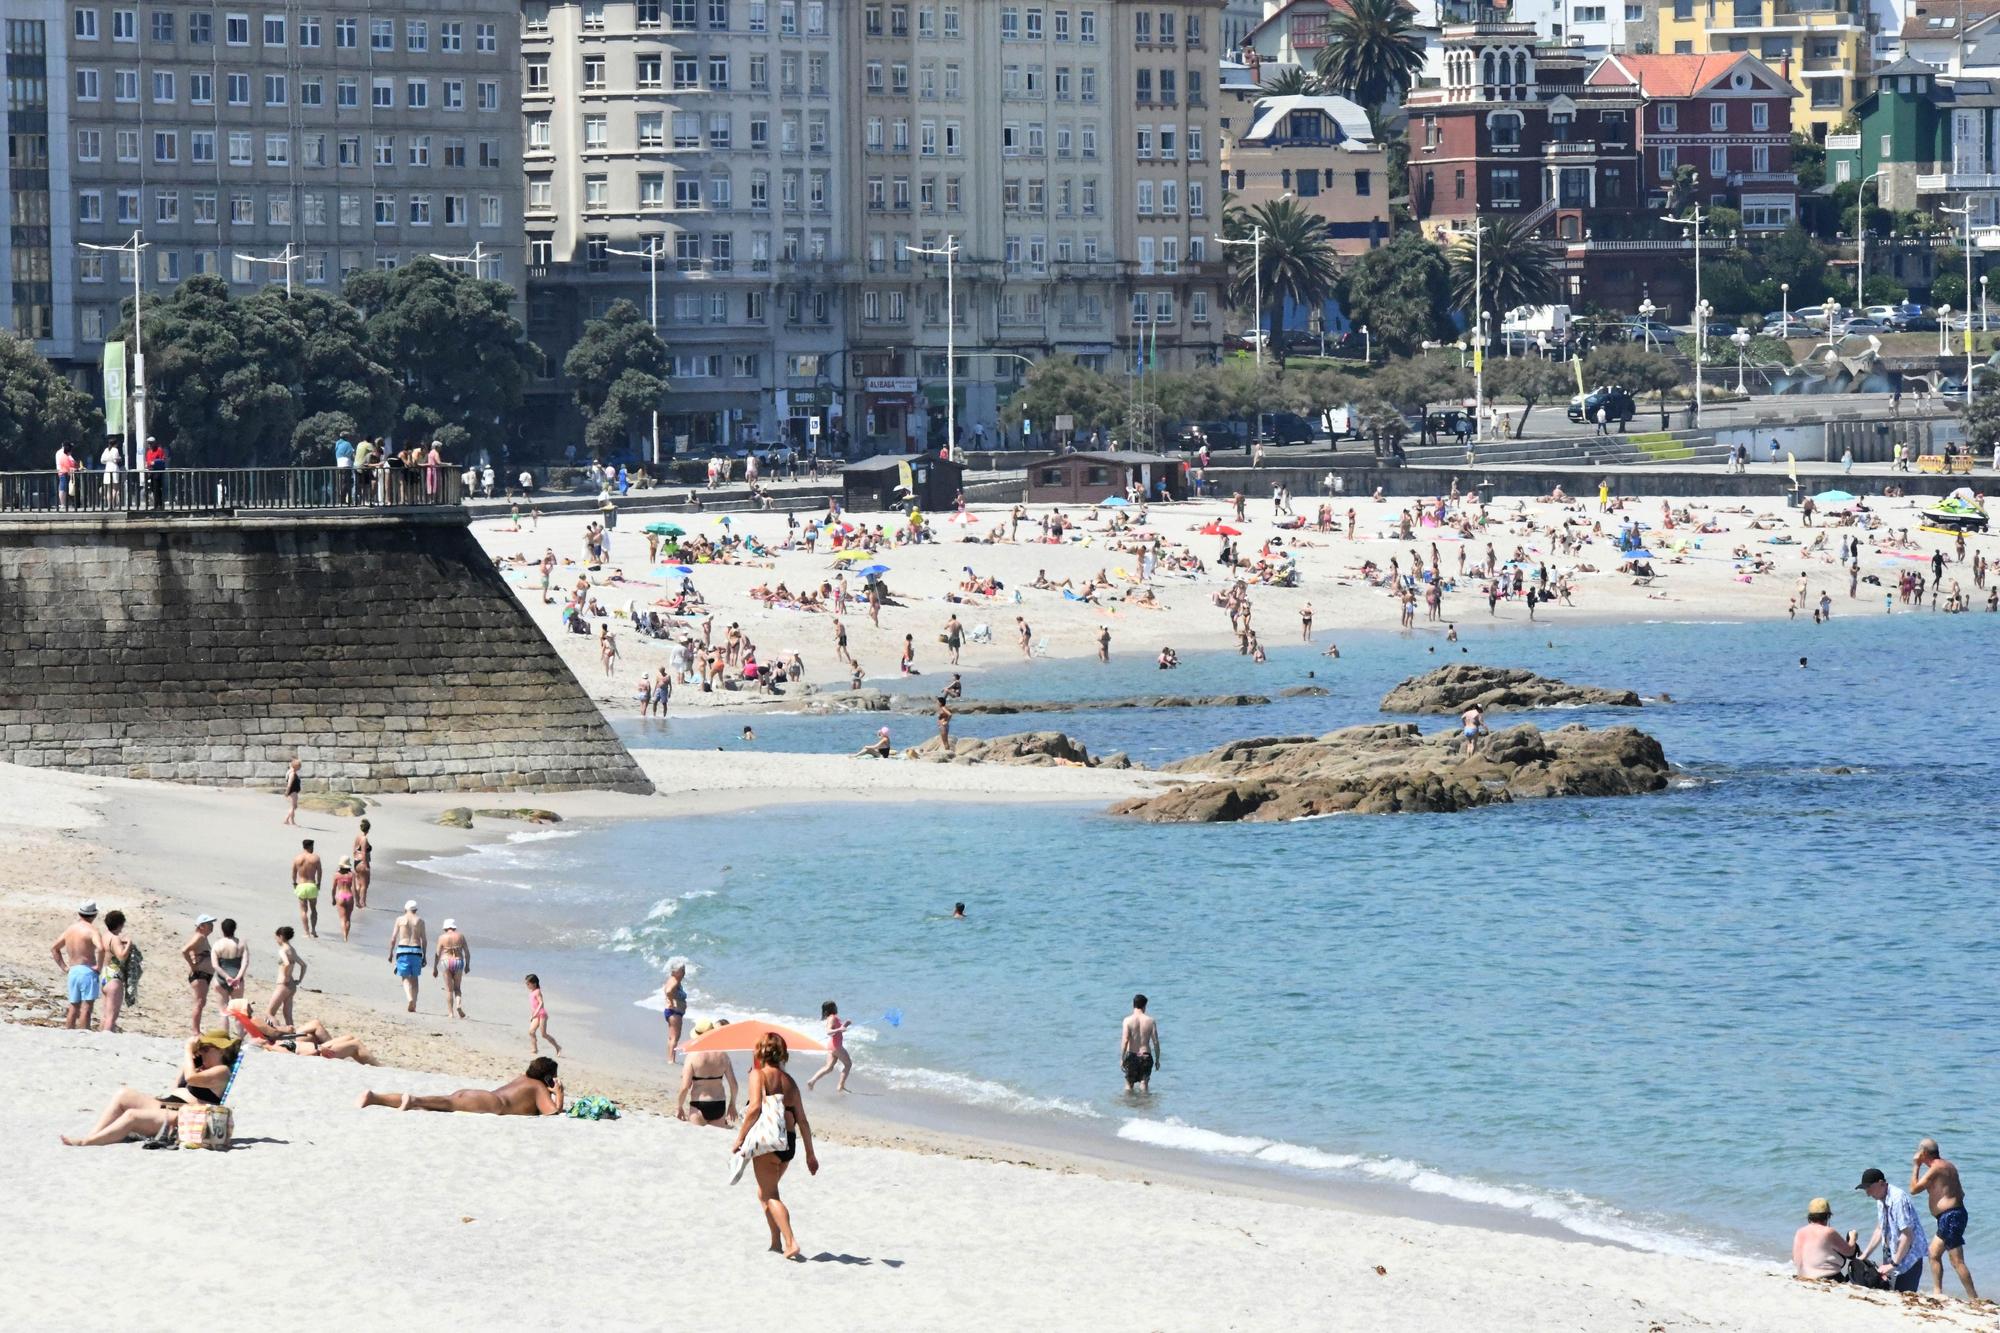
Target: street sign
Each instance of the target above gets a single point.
(812, 427)
(1065, 421)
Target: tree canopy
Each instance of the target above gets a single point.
(1296, 257)
(1402, 292)
(1372, 53)
(1516, 267)
(39, 409)
(619, 368)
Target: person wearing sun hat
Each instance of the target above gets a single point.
(454, 957)
(409, 950)
(877, 748)
(1819, 1253)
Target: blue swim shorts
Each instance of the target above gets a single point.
(83, 984)
(409, 962)
(1951, 1227)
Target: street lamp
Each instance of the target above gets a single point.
(1694, 225)
(1646, 312)
(656, 247)
(1861, 241)
(287, 258)
(1944, 329)
(1785, 309)
(1982, 302)
(1742, 340)
(1478, 230)
(949, 253)
(1256, 244)
(135, 435)
(1368, 344)
(1966, 213)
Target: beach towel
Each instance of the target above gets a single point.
(592, 1108)
(767, 1135)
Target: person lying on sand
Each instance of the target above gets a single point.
(134, 1114)
(271, 1035)
(537, 1092)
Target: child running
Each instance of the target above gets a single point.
(538, 1019)
(836, 1047)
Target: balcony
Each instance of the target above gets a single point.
(1951, 182)
(1570, 148)
(1753, 179)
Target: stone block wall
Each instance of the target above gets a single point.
(384, 650)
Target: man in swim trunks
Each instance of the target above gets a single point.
(76, 951)
(1931, 1174)
(1474, 722)
(537, 1092)
(306, 874)
(409, 950)
(1139, 1047)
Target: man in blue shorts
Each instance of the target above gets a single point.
(76, 951)
(1931, 1174)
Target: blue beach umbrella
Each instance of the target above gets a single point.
(1833, 498)
(872, 570)
(1114, 502)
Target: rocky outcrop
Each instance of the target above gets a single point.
(1392, 768)
(847, 701)
(1453, 689)
(1003, 707)
(1304, 692)
(1035, 749)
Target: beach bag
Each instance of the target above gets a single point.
(206, 1127)
(767, 1135)
(1861, 1272)
(134, 968)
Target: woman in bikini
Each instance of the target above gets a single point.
(275, 1036)
(362, 856)
(708, 1084)
(454, 960)
(232, 967)
(343, 898)
(676, 995)
(204, 1076)
(291, 971)
(769, 1079)
(292, 792)
(111, 974)
(201, 967)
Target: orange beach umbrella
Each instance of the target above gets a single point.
(745, 1035)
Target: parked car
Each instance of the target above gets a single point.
(1643, 330)
(1721, 328)
(1778, 326)
(1234, 433)
(1860, 327)
(1618, 405)
(1919, 324)
(1453, 421)
(1890, 315)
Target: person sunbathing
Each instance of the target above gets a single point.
(271, 1035)
(537, 1092)
(133, 1114)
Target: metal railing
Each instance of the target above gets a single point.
(226, 490)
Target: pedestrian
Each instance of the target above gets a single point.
(118, 972)
(836, 1048)
(778, 1114)
(409, 950)
(291, 972)
(538, 1019)
(1139, 1047)
(77, 951)
(1938, 1179)
(363, 856)
(1104, 643)
(306, 874)
(674, 992)
(1847, 460)
(292, 793)
(231, 958)
(200, 960)
(1899, 1232)
(1306, 622)
(454, 960)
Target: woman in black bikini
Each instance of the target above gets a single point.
(292, 792)
(204, 1076)
(769, 1079)
(708, 1085)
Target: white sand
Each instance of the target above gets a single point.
(334, 1217)
(1702, 583)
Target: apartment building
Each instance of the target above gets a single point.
(359, 137)
(706, 134)
(1822, 47)
(1322, 152)
(34, 206)
(1165, 68)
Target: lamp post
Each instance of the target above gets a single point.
(655, 248)
(1785, 309)
(1702, 311)
(1368, 344)
(949, 253)
(1861, 239)
(1256, 244)
(287, 258)
(1742, 340)
(1944, 329)
(135, 434)
(1646, 312)
(1694, 225)
(1478, 230)
(1983, 326)
(1966, 213)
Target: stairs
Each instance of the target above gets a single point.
(1636, 448)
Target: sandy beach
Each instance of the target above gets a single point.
(1698, 575)
(630, 1224)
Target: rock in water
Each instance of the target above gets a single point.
(1392, 768)
(1453, 689)
(1003, 707)
(1042, 749)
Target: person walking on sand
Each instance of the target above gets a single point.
(1139, 1047)
(708, 1084)
(292, 793)
(343, 898)
(1898, 1231)
(1027, 637)
(232, 969)
(1306, 623)
(538, 1018)
(76, 952)
(306, 872)
(774, 1095)
(362, 856)
(954, 637)
(537, 1092)
(200, 960)
(454, 959)
(118, 971)
(840, 642)
(1938, 1179)
(1104, 643)
(409, 950)
(836, 1048)
(291, 971)
(676, 995)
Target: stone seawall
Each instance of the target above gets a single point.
(383, 649)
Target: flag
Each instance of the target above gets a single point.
(904, 476)
(114, 388)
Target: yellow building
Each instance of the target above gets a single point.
(1822, 46)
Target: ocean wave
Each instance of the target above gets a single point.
(542, 835)
(455, 868)
(1573, 1212)
(977, 1091)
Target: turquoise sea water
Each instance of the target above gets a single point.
(1669, 1020)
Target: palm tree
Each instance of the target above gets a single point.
(1291, 81)
(1298, 258)
(1519, 268)
(1372, 52)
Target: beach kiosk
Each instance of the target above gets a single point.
(1088, 478)
(878, 483)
